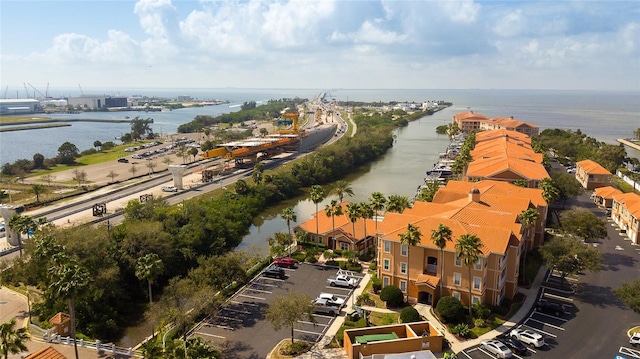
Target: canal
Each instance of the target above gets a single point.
(399, 172)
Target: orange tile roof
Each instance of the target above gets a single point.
(507, 168)
(502, 133)
(469, 116)
(630, 201)
(606, 192)
(342, 223)
(592, 167)
(59, 318)
(46, 353)
(461, 190)
(431, 280)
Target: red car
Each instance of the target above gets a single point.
(285, 262)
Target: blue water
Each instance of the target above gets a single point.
(606, 116)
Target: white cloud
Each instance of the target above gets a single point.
(510, 25)
(464, 11)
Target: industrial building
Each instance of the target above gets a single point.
(19, 106)
(98, 102)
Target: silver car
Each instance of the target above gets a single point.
(496, 348)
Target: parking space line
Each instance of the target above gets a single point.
(515, 355)
(535, 311)
(212, 335)
(227, 318)
(323, 316)
(312, 323)
(237, 311)
(467, 355)
(307, 332)
(628, 351)
(250, 296)
(547, 324)
(330, 287)
(221, 326)
(559, 297)
(539, 331)
(244, 303)
(258, 290)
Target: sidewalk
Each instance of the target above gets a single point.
(459, 345)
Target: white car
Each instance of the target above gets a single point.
(496, 348)
(528, 337)
(635, 339)
(332, 298)
(169, 189)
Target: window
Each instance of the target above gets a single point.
(456, 295)
(386, 265)
(403, 250)
(478, 265)
(403, 285)
(403, 268)
(344, 246)
(477, 282)
(475, 300)
(387, 246)
(458, 262)
(457, 279)
(385, 281)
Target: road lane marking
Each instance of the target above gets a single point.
(559, 297)
(212, 335)
(539, 331)
(250, 296)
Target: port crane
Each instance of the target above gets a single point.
(38, 91)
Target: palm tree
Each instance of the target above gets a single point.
(317, 195)
(340, 188)
(289, 216)
(149, 267)
(397, 203)
(410, 238)
(21, 224)
(468, 250)
(335, 209)
(440, 236)
(366, 212)
(528, 218)
(71, 280)
(38, 189)
(353, 213)
(549, 190)
(12, 340)
(377, 201)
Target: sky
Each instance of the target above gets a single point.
(323, 44)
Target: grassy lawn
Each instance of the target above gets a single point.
(378, 318)
(18, 119)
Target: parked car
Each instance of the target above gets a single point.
(546, 306)
(123, 160)
(2, 227)
(515, 345)
(285, 262)
(635, 339)
(528, 337)
(326, 306)
(496, 348)
(169, 189)
(274, 272)
(331, 298)
(342, 280)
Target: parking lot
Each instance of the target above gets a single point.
(240, 325)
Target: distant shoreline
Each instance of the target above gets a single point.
(49, 123)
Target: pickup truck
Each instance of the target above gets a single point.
(342, 280)
(321, 305)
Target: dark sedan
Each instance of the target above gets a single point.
(514, 344)
(274, 272)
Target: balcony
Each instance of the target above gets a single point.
(431, 269)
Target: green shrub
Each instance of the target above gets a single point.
(480, 310)
(365, 299)
(373, 266)
(480, 323)
(392, 295)
(310, 257)
(462, 330)
(450, 309)
(376, 284)
(338, 252)
(410, 314)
